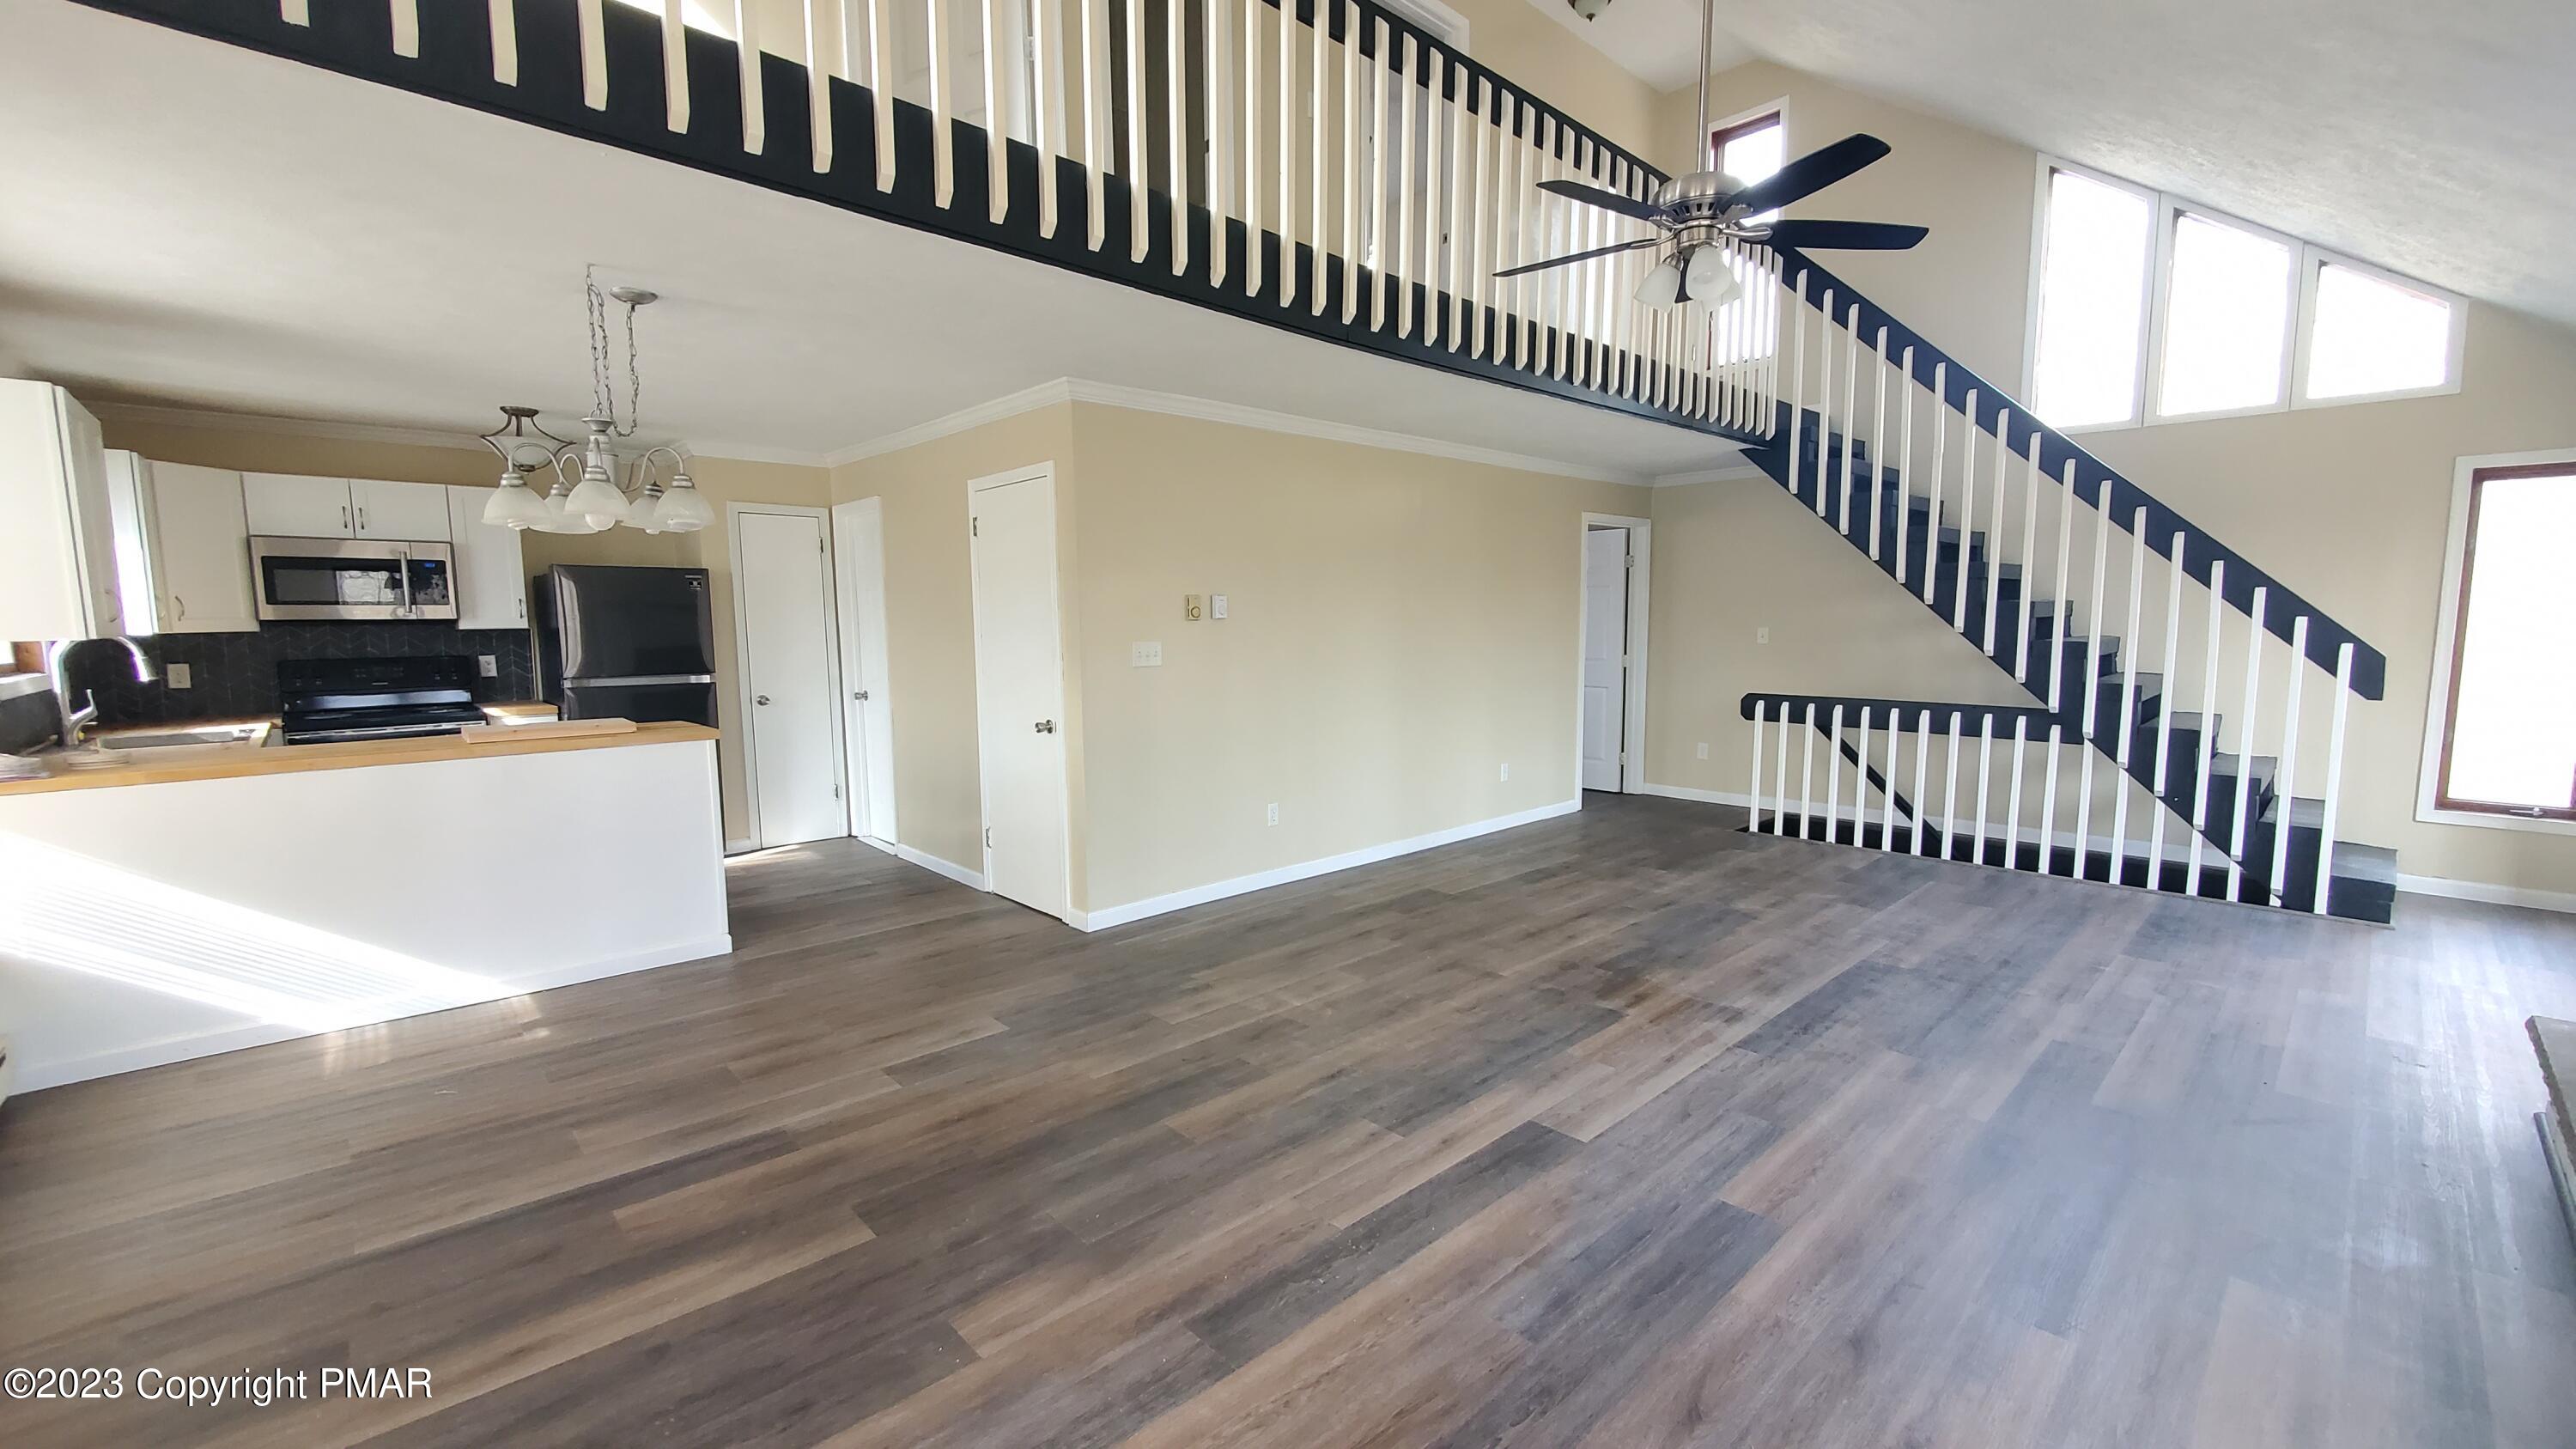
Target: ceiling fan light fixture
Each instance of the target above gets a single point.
(1662, 286)
(1709, 280)
(1588, 9)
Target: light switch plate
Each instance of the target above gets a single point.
(1145, 654)
(1762, 635)
(177, 676)
(1274, 813)
(1507, 772)
(1703, 749)
(1216, 606)
(489, 665)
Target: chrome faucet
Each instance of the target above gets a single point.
(57, 654)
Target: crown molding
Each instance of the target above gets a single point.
(1009, 405)
(176, 417)
(1170, 404)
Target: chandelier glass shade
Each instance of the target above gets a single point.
(585, 496)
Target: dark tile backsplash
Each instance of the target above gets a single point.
(236, 674)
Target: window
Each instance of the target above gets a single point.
(2146, 308)
(693, 13)
(2092, 302)
(2501, 744)
(1751, 147)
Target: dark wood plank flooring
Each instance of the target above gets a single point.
(1620, 1130)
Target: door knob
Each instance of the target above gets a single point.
(860, 695)
(1046, 726)
(760, 699)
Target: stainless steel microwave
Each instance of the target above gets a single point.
(353, 578)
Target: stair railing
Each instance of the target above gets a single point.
(1326, 165)
(2004, 529)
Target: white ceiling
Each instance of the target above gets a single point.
(182, 230)
(2437, 140)
(1653, 40)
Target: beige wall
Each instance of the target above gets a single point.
(2346, 505)
(723, 480)
(1400, 628)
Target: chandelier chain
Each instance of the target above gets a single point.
(603, 397)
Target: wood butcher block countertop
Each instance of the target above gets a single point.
(163, 766)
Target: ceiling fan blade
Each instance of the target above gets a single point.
(1850, 236)
(1606, 200)
(1626, 246)
(1810, 173)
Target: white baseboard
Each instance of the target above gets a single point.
(1686, 792)
(744, 846)
(1100, 920)
(2487, 892)
(932, 863)
(37, 1075)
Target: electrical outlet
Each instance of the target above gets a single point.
(489, 665)
(1762, 635)
(1274, 812)
(1507, 771)
(176, 676)
(1192, 609)
(1216, 606)
(1145, 654)
(1703, 749)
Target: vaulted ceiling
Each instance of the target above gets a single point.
(2433, 139)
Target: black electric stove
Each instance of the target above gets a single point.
(329, 700)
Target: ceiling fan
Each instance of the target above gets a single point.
(1691, 212)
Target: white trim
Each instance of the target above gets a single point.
(1638, 591)
(2488, 893)
(744, 845)
(2312, 261)
(1102, 920)
(1172, 404)
(971, 879)
(159, 415)
(1009, 405)
(2446, 638)
(742, 658)
(1780, 108)
(2170, 211)
(1027, 473)
(1435, 17)
(1736, 798)
(36, 1076)
(2147, 291)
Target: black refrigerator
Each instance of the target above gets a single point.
(626, 643)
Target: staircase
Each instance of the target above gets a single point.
(1905, 453)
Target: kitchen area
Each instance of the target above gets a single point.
(285, 753)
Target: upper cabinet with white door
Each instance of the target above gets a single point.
(183, 547)
(57, 538)
(291, 505)
(491, 570)
(412, 512)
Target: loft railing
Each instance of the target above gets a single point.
(1321, 165)
(2169, 656)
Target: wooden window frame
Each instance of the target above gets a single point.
(2435, 804)
(1745, 123)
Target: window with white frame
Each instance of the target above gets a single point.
(2147, 308)
(2501, 743)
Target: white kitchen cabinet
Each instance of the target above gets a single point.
(57, 535)
(182, 547)
(491, 570)
(291, 505)
(414, 512)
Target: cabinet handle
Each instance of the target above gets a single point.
(523, 608)
(344, 515)
(182, 606)
(362, 518)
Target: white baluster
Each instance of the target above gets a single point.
(405, 18)
(1967, 520)
(1995, 526)
(1350, 160)
(2334, 782)
(1216, 22)
(1950, 794)
(1904, 463)
(1807, 775)
(2128, 722)
(295, 12)
(818, 91)
(1922, 758)
(2208, 702)
(675, 68)
(504, 30)
(2092, 681)
(1399, 264)
(2285, 782)
(1095, 115)
(591, 33)
(1253, 25)
(1851, 407)
(1753, 791)
(1288, 99)
(1824, 397)
(2048, 809)
(1461, 214)
(1932, 505)
(2029, 556)
(2012, 803)
(1319, 110)
(755, 110)
(1780, 775)
(997, 99)
(2245, 742)
(1985, 761)
(2065, 624)
(1834, 777)
(1383, 104)
(1176, 158)
(1878, 451)
(1797, 379)
(881, 90)
(2172, 663)
(1140, 132)
(1886, 788)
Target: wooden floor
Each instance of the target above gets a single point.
(1619, 1130)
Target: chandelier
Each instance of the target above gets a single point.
(585, 496)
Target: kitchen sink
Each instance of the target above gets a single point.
(214, 734)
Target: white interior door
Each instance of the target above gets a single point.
(1605, 655)
(858, 552)
(1019, 688)
(792, 751)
